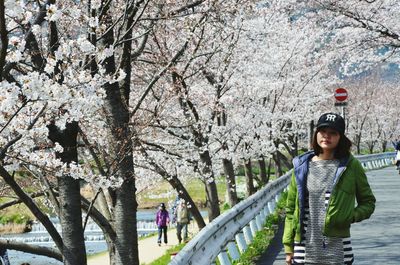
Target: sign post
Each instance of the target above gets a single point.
(341, 96)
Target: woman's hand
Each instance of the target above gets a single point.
(289, 258)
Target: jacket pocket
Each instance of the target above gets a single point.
(341, 209)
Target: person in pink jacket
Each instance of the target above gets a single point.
(162, 221)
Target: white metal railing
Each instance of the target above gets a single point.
(234, 230)
(239, 224)
(376, 161)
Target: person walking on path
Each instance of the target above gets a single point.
(162, 221)
(320, 206)
(182, 221)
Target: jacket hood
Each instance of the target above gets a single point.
(299, 160)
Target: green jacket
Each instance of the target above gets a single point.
(350, 185)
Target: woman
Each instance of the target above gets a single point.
(162, 221)
(321, 199)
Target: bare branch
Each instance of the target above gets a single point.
(33, 249)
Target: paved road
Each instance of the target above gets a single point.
(377, 240)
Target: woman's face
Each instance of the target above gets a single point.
(328, 138)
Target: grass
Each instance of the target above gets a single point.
(259, 245)
(263, 238)
(164, 193)
(17, 214)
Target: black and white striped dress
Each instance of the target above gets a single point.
(315, 248)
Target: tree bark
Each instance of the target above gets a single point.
(371, 147)
(33, 249)
(125, 248)
(384, 146)
(278, 166)
(249, 178)
(124, 200)
(269, 168)
(263, 171)
(230, 181)
(310, 135)
(74, 251)
(358, 143)
(212, 200)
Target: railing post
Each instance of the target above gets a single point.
(263, 213)
(260, 221)
(266, 211)
(233, 250)
(223, 258)
(270, 207)
(247, 234)
(241, 242)
(253, 227)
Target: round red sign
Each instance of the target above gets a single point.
(340, 94)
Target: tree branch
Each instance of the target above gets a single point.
(33, 249)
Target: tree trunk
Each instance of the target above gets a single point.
(371, 148)
(358, 143)
(284, 161)
(230, 181)
(278, 166)
(269, 168)
(384, 146)
(124, 200)
(74, 251)
(263, 170)
(125, 224)
(125, 249)
(310, 134)
(249, 178)
(210, 186)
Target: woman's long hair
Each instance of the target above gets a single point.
(342, 149)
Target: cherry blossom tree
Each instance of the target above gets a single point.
(81, 71)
